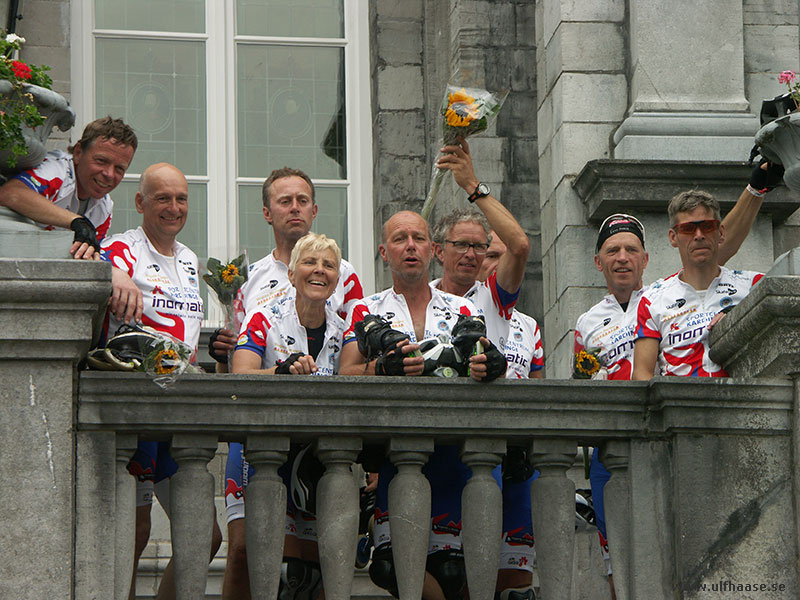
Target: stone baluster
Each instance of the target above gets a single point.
(265, 506)
(410, 513)
(482, 515)
(553, 511)
(615, 456)
(337, 515)
(125, 515)
(191, 512)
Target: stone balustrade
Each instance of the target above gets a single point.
(702, 497)
(661, 441)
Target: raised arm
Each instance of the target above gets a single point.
(511, 268)
(740, 220)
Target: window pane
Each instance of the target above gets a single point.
(291, 18)
(255, 233)
(291, 110)
(193, 234)
(157, 87)
(186, 16)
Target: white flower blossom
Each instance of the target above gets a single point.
(13, 37)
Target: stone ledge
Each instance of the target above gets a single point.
(607, 186)
(377, 408)
(759, 337)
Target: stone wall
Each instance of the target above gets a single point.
(416, 47)
(45, 25)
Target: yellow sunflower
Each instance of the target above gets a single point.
(229, 273)
(586, 363)
(461, 109)
(166, 361)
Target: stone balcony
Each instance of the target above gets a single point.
(702, 492)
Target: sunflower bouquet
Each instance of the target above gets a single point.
(587, 365)
(167, 359)
(465, 112)
(226, 279)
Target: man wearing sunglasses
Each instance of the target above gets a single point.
(675, 315)
(608, 328)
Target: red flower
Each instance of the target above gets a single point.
(21, 70)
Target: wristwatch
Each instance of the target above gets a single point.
(480, 192)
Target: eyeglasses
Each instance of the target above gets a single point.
(689, 227)
(462, 247)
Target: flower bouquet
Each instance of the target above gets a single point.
(587, 365)
(226, 279)
(465, 112)
(142, 348)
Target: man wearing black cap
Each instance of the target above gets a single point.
(607, 330)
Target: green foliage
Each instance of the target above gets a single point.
(17, 109)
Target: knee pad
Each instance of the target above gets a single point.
(381, 570)
(300, 580)
(447, 568)
(517, 594)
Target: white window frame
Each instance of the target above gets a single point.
(221, 177)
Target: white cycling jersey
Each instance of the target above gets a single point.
(677, 315)
(523, 347)
(169, 284)
(268, 281)
(608, 331)
(275, 333)
(54, 178)
(440, 315)
(494, 303)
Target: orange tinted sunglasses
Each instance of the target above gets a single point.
(689, 227)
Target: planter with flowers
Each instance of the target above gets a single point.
(29, 109)
(779, 140)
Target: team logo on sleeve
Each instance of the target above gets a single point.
(242, 340)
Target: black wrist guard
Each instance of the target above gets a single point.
(763, 181)
(390, 363)
(84, 232)
(283, 366)
(213, 352)
(496, 363)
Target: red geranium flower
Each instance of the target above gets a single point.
(21, 70)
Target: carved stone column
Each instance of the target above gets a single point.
(191, 516)
(553, 511)
(265, 506)
(615, 456)
(482, 515)
(337, 515)
(125, 516)
(410, 513)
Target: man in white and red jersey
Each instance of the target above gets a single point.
(166, 272)
(71, 191)
(290, 208)
(418, 311)
(608, 328)
(523, 348)
(461, 242)
(675, 315)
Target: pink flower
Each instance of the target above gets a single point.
(787, 77)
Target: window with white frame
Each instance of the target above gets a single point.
(227, 91)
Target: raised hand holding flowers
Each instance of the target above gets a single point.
(465, 112)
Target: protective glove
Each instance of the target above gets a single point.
(84, 232)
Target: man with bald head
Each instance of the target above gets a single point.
(166, 273)
(420, 312)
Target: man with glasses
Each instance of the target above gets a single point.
(461, 243)
(675, 315)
